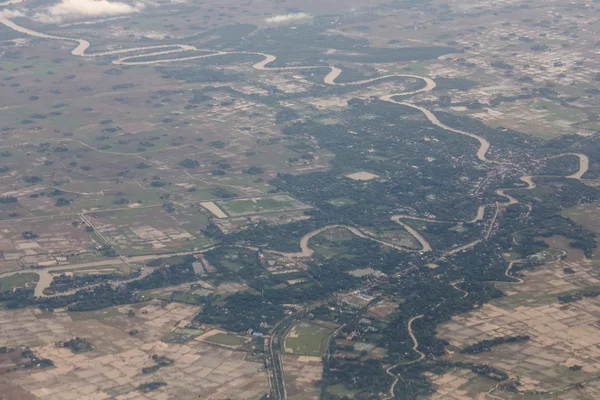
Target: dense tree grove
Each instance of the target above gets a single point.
(105, 295)
(63, 283)
(78, 345)
(486, 345)
(417, 176)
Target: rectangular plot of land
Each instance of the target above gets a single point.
(261, 205)
(152, 229)
(307, 339)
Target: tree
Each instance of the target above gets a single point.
(253, 171)
(29, 235)
(32, 179)
(189, 163)
(78, 345)
(62, 202)
(150, 386)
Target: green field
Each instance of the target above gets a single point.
(180, 336)
(331, 250)
(558, 112)
(340, 202)
(227, 339)
(340, 390)
(244, 206)
(419, 68)
(260, 205)
(17, 281)
(307, 339)
(378, 158)
(95, 315)
(333, 243)
(337, 235)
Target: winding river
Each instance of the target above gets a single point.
(131, 54)
(129, 58)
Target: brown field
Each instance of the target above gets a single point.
(382, 309)
(459, 384)
(152, 230)
(109, 141)
(113, 368)
(562, 243)
(301, 376)
(587, 215)
(562, 335)
(56, 241)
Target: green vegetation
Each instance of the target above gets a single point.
(254, 170)
(241, 311)
(78, 345)
(346, 247)
(342, 202)
(34, 361)
(196, 74)
(161, 361)
(244, 206)
(151, 386)
(558, 112)
(64, 283)
(105, 295)
(189, 163)
(224, 193)
(227, 339)
(260, 205)
(339, 390)
(486, 345)
(569, 298)
(366, 379)
(20, 280)
(180, 336)
(307, 339)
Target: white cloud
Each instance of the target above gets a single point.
(76, 9)
(283, 19)
(8, 14)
